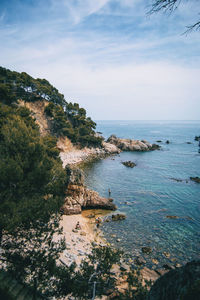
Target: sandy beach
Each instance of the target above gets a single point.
(79, 242)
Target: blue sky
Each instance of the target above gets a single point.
(108, 55)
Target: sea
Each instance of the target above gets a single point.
(161, 203)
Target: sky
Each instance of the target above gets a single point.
(110, 56)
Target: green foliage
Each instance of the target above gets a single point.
(67, 119)
(31, 257)
(137, 290)
(32, 180)
(71, 121)
(96, 268)
(14, 86)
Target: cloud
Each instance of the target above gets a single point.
(107, 56)
(77, 10)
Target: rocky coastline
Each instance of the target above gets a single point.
(132, 145)
(78, 196)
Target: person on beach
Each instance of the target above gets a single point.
(109, 192)
(98, 221)
(78, 226)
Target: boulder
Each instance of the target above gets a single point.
(155, 147)
(195, 179)
(139, 261)
(118, 217)
(166, 254)
(110, 148)
(149, 275)
(78, 197)
(146, 250)
(129, 164)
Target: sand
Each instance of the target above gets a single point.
(79, 242)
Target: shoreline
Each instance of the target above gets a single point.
(79, 242)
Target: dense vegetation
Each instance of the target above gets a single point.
(31, 178)
(70, 120)
(67, 119)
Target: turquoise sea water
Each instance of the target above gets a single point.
(151, 192)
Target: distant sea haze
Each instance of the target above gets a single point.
(160, 201)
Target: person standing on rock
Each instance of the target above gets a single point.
(109, 192)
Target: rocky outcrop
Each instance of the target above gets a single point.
(195, 179)
(118, 217)
(78, 197)
(181, 283)
(132, 145)
(110, 148)
(129, 164)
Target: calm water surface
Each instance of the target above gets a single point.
(151, 192)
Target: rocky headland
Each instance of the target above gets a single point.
(132, 145)
(79, 197)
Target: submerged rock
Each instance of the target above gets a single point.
(146, 250)
(139, 261)
(177, 179)
(155, 261)
(195, 179)
(166, 254)
(118, 217)
(129, 164)
(172, 217)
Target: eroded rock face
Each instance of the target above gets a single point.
(78, 197)
(181, 283)
(132, 145)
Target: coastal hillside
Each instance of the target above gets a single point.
(66, 121)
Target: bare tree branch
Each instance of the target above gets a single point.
(170, 6)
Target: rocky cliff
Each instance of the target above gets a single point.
(78, 197)
(132, 145)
